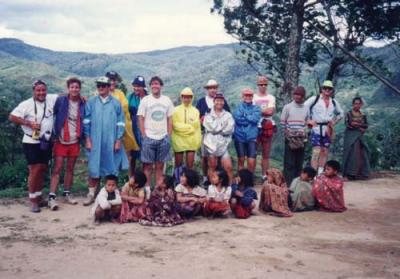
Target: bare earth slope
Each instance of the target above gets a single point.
(363, 242)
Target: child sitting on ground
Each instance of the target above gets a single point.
(274, 195)
(133, 198)
(243, 195)
(190, 197)
(218, 195)
(107, 205)
(300, 191)
(161, 209)
(328, 189)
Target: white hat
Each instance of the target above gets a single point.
(104, 80)
(211, 83)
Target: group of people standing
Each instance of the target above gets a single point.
(119, 131)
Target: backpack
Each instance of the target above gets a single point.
(267, 128)
(316, 101)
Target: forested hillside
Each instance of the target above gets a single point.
(21, 64)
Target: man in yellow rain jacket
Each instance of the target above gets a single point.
(186, 130)
(128, 139)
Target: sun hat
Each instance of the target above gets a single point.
(187, 91)
(211, 83)
(327, 83)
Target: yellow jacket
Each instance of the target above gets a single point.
(128, 139)
(186, 132)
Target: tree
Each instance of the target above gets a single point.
(283, 34)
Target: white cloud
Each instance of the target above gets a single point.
(112, 26)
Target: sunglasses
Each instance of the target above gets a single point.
(102, 85)
(327, 88)
(187, 96)
(262, 84)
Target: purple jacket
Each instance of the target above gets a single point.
(61, 113)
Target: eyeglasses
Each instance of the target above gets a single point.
(327, 88)
(102, 85)
(262, 84)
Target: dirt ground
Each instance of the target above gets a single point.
(363, 242)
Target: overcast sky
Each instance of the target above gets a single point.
(111, 26)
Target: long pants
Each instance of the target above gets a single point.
(292, 163)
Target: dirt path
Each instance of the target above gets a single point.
(363, 242)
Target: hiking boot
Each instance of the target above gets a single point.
(70, 199)
(89, 200)
(35, 208)
(53, 204)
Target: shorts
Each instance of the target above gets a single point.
(35, 155)
(246, 149)
(318, 140)
(204, 153)
(155, 150)
(66, 150)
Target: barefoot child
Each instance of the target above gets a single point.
(300, 191)
(218, 195)
(161, 210)
(133, 198)
(328, 189)
(190, 197)
(243, 195)
(107, 205)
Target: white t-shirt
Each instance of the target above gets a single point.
(26, 111)
(197, 191)
(264, 102)
(155, 112)
(224, 195)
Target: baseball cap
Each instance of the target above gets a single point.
(103, 80)
(187, 91)
(139, 81)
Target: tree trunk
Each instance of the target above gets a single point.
(292, 70)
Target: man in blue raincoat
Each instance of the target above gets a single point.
(104, 126)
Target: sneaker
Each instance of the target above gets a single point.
(70, 199)
(264, 178)
(89, 200)
(35, 208)
(42, 202)
(96, 222)
(53, 204)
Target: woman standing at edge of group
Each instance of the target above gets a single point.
(35, 115)
(139, 92)
(218, 129)
(186, 130)
(128, 139)
(356, 151)
(246, 118)
(69, 112)
(266, 102)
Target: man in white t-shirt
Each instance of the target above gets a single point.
(155, 124)
(266, 102)
(35, 116)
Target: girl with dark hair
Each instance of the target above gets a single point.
(190, 197)
(218, 195)
(243, 195)
(328, 189)
(161, 209)
(356, 151)
(133, 198)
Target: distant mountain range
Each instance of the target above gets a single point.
(21, 63)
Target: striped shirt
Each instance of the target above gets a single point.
(294, 117)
